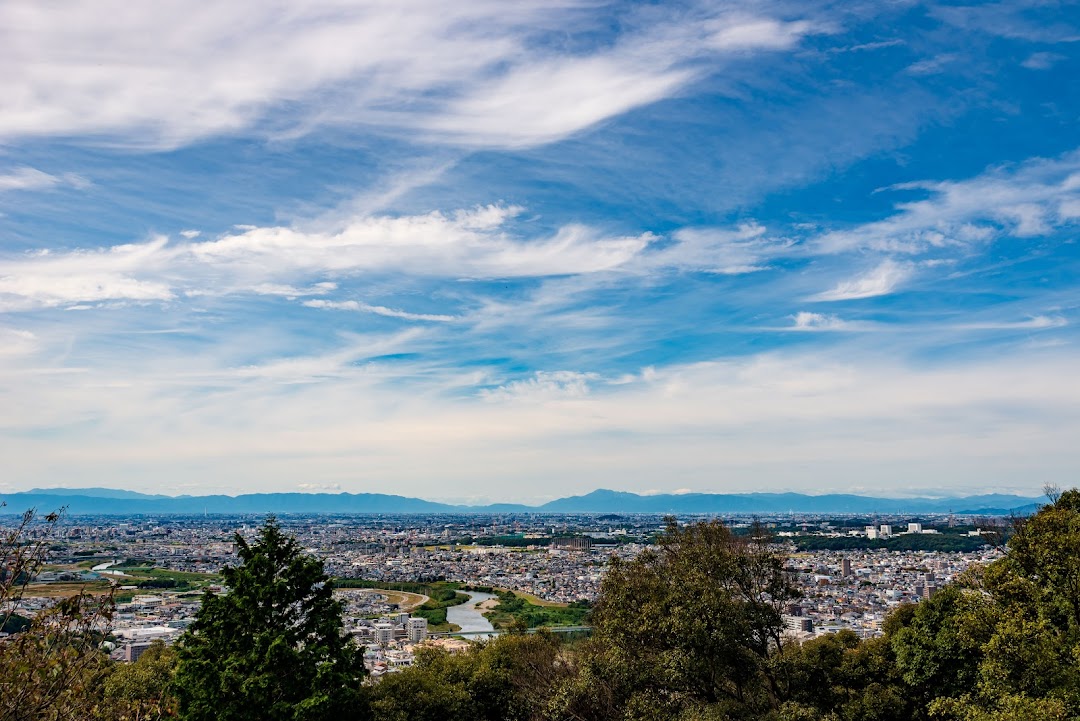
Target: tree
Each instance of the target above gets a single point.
(688, 626)
(505, 679)
(52, 667)
(273, 647)
(140, 691)
(1004, 641)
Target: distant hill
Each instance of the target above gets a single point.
(97, 501)
(605, 501)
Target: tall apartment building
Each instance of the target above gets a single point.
(416, 629)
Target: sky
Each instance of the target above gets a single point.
(514, 251)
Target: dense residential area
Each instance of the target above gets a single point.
(158, 567)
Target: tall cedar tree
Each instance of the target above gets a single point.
(272, 648)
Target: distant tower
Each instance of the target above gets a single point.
(845, 567)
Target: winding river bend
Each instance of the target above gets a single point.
(469, 617)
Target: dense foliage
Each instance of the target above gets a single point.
(273, 647)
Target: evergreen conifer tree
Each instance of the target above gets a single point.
(271, 648)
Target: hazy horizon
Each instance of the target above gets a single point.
(528, 501)
(523, 251)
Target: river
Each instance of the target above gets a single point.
(468, 616)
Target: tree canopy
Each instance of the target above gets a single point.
(272, 648)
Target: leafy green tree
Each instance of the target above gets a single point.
(273, 647)
(686, 627)
(1003, 642)
(939, 652)
(1030, 663)
(140, 691)
(52, 667)
(506, 679)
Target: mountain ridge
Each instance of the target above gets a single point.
(105, 501)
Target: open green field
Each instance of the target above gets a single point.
(534, 600)
(148, 579)
(168, 574)
(512, 608)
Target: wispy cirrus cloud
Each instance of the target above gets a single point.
(279, 260)
(745, 249)
(1027, 200)
(881, 280)
(543, 386)
(806, 321)
(27, 178)
(357, 306)
(1042, 61)
(481, 73)
(1038, 322)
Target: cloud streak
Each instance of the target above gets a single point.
(26, 178)
(882, 280)
(472, 243)
(482, 73)
(1027, 200)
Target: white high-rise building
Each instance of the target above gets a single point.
(914, 528)
(886, 530)
(416, 628)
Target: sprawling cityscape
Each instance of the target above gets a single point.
(158, 568)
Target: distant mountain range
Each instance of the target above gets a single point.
(105, 501)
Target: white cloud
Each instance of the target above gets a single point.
(544, 386)
(931, 66)
(319, 487)
(469, 243)
(547, 101)
(806, 321)
(26, 178)
(477, 73)
(291, 261)
(292, 292)
(724, 425)
(746, 249)
(748, 33)
(16, 342)
(359, 307)
(51, 279)
(1042, 61)
(1030, 199)
(1038, 322)
(882, 280)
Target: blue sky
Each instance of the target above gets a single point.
(515, 251)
